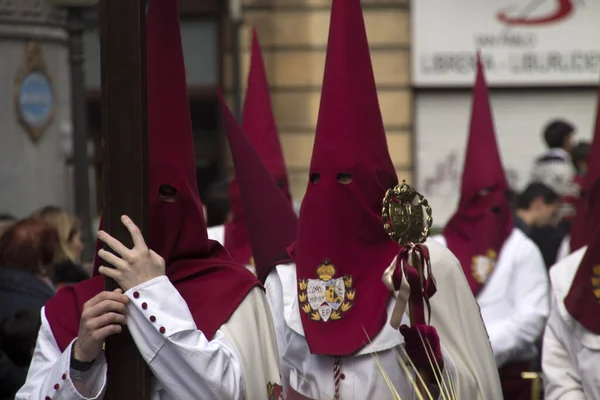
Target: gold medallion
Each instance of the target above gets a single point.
(406, 215)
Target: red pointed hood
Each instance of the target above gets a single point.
(583, 300)
(580, 230)
(270, 218)
(207, 278)
(260, 127)
(342, 249)
(483, 220)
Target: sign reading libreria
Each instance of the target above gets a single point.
(522, 42)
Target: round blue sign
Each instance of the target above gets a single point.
(35, 99)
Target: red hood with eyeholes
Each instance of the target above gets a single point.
(212, 284)
(483, 220)
(342, 249)
(259, 126)
(583, 299)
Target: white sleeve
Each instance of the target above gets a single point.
(185, 362)
(274, 291)
(529, 293)
(561, 380)
(49, 373)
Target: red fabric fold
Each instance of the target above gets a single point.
(212, 284)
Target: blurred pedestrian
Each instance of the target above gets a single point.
(67, 257)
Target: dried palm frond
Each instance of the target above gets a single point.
(443, 379)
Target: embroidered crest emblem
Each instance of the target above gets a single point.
(483, 265)
(327, 297)
(596, 281)
(274, 391)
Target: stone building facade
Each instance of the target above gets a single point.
(34, 107)
(293, 35)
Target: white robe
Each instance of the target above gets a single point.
(238, 363)
(217, 233)
(565, 248)
(515, 300)
(455, 315)
(571, 353)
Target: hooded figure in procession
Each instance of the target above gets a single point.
(199, 319)
(259, 125)
(334, 316)
(571, 351)
(504, 268)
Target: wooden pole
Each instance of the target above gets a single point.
(124, 150)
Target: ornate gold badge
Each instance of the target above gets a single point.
(483, 265)
(327, 297)
(274, 391)
(406, 215)
(33, 93)
(596, 281)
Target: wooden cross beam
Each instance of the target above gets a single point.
(124, 151)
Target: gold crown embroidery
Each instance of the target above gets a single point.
(596, 281)
(326, 298)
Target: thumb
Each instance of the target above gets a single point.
(119, 291)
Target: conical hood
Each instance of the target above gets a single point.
(342, 249)
(583, 300)
(260, 128)
(582, 224)
(483, 221)
(270, 219)
(177, 225)
(258, 119)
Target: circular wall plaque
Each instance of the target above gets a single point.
(33, 93)
(36, 100)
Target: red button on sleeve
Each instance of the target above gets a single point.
(47, 398)
(56, 387)
(136, 295)
(144, 305)
(64, 377)
(152, 318)
(162, 329)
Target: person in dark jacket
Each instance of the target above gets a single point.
(26, 252)
(18, 334)
(555, 168)
(537, 209)
(26, 271)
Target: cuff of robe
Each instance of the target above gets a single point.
(92, 383)
(156, 311)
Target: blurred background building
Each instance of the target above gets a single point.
(536, 71)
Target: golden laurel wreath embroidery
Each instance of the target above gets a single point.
(483, 265)
(326, 298)
(596, 281)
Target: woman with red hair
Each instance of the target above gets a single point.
(26, 253)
